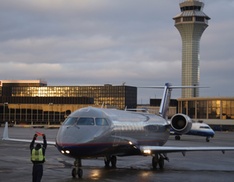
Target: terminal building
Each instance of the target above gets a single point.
(215, 111)
(218, 112)
(33, 102)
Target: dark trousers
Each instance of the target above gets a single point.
(37, 172)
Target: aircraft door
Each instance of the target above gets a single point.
(117, 134)
(102, 127)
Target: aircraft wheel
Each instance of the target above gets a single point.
(155, 161)
(207, 139)
(113, 161)
(161, 162)
(77, 170)
(74, 173)
(107, 162)
(80, 173)
(177, 137)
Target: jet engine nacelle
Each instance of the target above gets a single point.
(181, 123)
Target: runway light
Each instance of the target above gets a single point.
(67, 152)
(148, 152)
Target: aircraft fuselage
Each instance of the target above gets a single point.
(93, 132)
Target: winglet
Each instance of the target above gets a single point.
(5, 132)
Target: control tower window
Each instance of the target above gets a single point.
(189, 18)
(177, 20)
(201, 19)
(187, 8)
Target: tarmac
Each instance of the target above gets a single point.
(15, 164)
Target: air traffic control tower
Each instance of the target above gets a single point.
(191, 23)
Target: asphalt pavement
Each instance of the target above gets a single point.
(15, 164)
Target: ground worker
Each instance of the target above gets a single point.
(38, 158)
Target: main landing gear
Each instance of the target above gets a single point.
(177, 137)
(158, 160)
(110, 160)
(77, 169)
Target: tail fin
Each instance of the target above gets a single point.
(164, 106)
(5, 132)
(167, 96)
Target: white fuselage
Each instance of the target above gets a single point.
(201, 129)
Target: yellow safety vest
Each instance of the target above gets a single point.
(37, 155)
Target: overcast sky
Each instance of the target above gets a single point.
(89, 42)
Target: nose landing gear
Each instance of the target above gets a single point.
(77, 169)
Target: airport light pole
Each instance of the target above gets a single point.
(50, 104)
(20, 114)
(4, 111)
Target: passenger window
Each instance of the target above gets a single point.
(70, 121)
(85, 121)
(205, 127)
(101, 122)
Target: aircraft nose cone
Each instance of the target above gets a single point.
(75, 135)
(80, 141)
(65, 136)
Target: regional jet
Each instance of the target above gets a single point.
(197, 129)
(98, 132)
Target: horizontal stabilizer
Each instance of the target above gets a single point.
(6, 137)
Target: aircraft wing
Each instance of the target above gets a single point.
(172, 149)
(165, 149)
(6, 137)
(28, 141)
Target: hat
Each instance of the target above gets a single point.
(38, 146)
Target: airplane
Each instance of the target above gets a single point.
(197, 129)
(99, 132)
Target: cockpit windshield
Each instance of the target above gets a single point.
(70, 121)
(101, 122)
(86, 121)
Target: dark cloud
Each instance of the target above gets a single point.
(96, 42)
